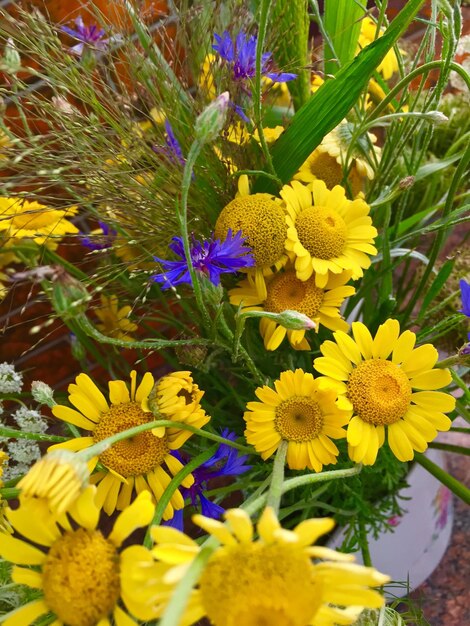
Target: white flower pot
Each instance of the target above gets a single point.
(420, 537)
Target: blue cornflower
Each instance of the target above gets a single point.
(172, 149)
(211, 258)
(91, 36)
(226, 461)
(98, 241)
(465, 292)
(241, 54)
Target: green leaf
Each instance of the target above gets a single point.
(436, 286)
(332, 102)
(292, 51)
(342, 22)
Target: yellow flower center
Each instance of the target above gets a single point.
(380, 391)
(298, 419)
(322, 232)
(287, 292)
(261, 221)
(260, 585)
(81, 577)
(325, 167)
(136, 455)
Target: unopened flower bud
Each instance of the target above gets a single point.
(293, 320)
(211, 121)
(436, 117)
(42, 393)
(69, 297)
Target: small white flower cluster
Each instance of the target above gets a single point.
(29, 420)
(23, 453)
(10, 381)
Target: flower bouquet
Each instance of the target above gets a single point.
(248, 223)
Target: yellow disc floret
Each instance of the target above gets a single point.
(380, 392)
(322, 232)
(242, 599)
(287, 293)
(262, 223)
(137, 455)
(298, 419)
(81, 577)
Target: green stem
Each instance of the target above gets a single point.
(173, 486)
(364, 544)
(447, 447)
(180, 597)
(193, 154)
(446, 479)
(19, 434)
(301, 481)
(262, 27)
(99, 447)
(88, 328)
(274, 495)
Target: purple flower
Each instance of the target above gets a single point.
(211, 258)
(91, 36)
(465, 291)
(241, 54)
(100, 242)
(226, 461)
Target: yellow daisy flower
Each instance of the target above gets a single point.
(368, 34)
(262, 221)
(271, 580)
(114, 321)
(303, 411)
(327, 233)
(21, 219)
(59, 477)
(82, 575)
(328, 161)
(285, 292)
(143, 462)
(389, 384)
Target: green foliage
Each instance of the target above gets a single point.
(342, 21)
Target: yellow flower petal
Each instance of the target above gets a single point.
(420, 360)
(118, 392)
(215, 528)
(434, 401)
(267, 525)
(432, 379)
(241, 525)
(310, 530)
(385, 338)
(122, 618)
(137, 515)
(26, 614)
(399, 443)
(88, 387)
(19, 552)
(145, 387)
(26, 576)
(403, 347)
(363, 339)
(72, 417)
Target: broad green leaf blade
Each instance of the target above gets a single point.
(332, 102)
(342, 22)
